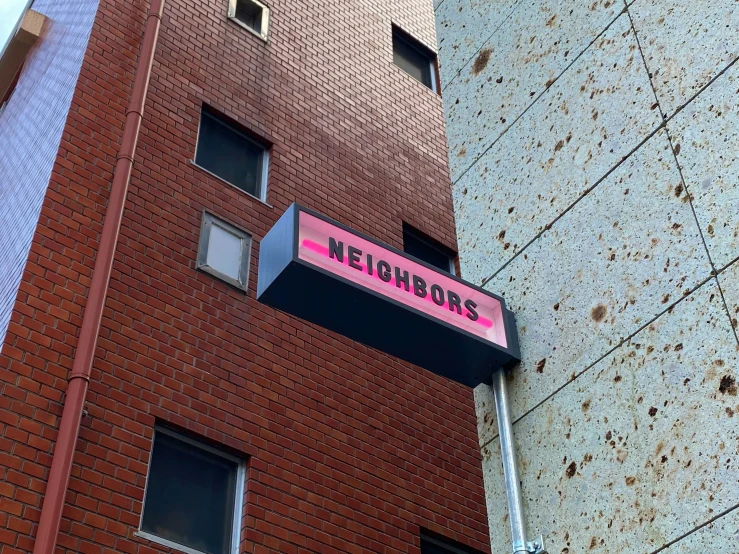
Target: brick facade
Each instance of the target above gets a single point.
(349, 450)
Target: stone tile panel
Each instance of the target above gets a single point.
(685, 44)
(553, 155)
(487, 426)
(619, 258)
(526, 54)
(640, 449)
(706, 136)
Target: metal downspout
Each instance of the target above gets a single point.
(510, 470)
(79, 377)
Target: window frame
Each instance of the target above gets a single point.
(238, 500)
(263, 172)
(413, 43)
(428, 241)
(452, 547)
(208, 220)
(264, 35)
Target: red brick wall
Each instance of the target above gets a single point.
(350, 450)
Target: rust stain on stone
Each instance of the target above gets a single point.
(481, 61)
(598, 313)
(728, 385)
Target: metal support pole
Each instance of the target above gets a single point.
(510, 470)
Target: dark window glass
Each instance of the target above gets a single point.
(426, 249)
(439, 545)
(229, 154)
(190, 496)
(250, 14)
(412, 58)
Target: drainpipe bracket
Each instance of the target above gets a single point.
(536, 546)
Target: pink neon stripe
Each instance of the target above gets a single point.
(323, 251)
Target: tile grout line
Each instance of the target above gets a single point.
(663, 124)
(438, 6)
(726, 306)
(626, 339)
(660, 314)
(590, 189)
(703, 88)
(537, 98)
(665, 121)
(697, 528)
(671, 142)
(727, 266)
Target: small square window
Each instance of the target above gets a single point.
(414, 58)
(230, 154)
(250, 14)
(194, 495)
(427, 249)
(224, 251)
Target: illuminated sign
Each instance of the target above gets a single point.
(326, 273)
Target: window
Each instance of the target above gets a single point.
(414, 58)
(224, 251)
(194, 495)
(427, 249)
(436, 544)
(250, 14)
(230, 154)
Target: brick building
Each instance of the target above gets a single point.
(310, 442)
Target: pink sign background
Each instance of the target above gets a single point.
(313, 247)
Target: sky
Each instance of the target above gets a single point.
(10, 13)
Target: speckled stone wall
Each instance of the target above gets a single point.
(593, 151)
